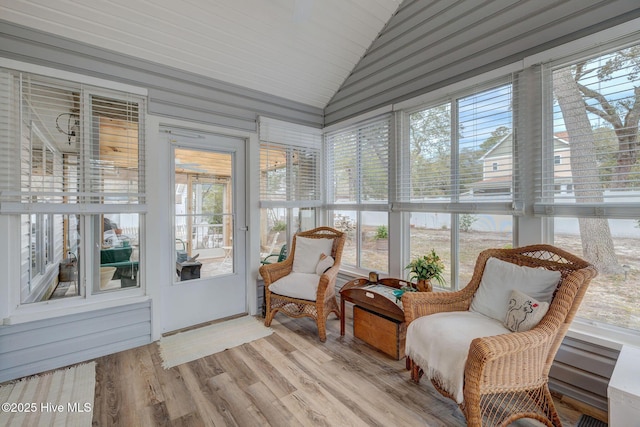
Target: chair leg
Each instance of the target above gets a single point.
(416, 371)
(268, 312)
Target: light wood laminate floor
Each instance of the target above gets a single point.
(287, 379)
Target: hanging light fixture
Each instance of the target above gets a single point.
(72, 125)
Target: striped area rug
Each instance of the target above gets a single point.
(186, 346)
(61, 398)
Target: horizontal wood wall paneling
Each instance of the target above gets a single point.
(607, 352)
(586, 360)
(409, 16)
(33, 347)
(580, 379)
(168, 109)
(455, 28)
(65, 320)
(459, 50)
(465, 53)
(579, 394)
(231, 102)
(55, 362)
(41, 334)
(582, 371)
(74, 344)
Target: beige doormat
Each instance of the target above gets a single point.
(186, 346)
(61, 398)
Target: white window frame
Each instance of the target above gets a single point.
(359, 206)
(292, 138)
(13, 311)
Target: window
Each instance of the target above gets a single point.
(289, 182)
(357, 191)
(593, 196)
(73, 159)
(457, 181)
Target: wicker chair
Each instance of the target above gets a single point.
(506, 375)
(325, 302)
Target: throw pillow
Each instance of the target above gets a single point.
(524, 312)
(307, 253)
(325, 263)
(501, 277)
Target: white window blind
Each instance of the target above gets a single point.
(289, 164)
(591, 152)
(458, 155)
(357, 160)
(70, 144)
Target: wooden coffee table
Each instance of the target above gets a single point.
(377, 319)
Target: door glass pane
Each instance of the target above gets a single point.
(203, 214)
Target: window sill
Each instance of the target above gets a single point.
(602, 334)
(76, 305)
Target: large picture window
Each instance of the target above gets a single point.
(72, 161)
(357, 161)
(593, 193)
(290, 190)
(457, 179)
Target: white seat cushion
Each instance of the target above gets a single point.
(297, 285)
(440, 342)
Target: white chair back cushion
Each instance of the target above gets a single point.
(297, 285)
(501, 277)
(440, 342)
(307, 253)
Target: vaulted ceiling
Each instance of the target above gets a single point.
(301, 50)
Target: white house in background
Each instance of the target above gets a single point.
(497, 166)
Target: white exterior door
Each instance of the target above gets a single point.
(209, 229)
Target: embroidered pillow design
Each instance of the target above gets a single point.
(524, 312)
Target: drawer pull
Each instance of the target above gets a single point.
(370, 295)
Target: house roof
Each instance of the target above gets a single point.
(301, 50)
(559, 137)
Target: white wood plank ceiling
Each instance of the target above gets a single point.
(301, 50)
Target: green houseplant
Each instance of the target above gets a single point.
(425, 268)
(382, 238)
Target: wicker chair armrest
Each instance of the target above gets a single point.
(272, 272)
(506, 361)
(327, 284)
(418, 304)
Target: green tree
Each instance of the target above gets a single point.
(430, 151)
(623, 114)
(597, 243)
(496, 136)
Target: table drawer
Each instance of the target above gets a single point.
(385, 334)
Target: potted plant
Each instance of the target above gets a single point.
(425, 268)
(382, 238)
